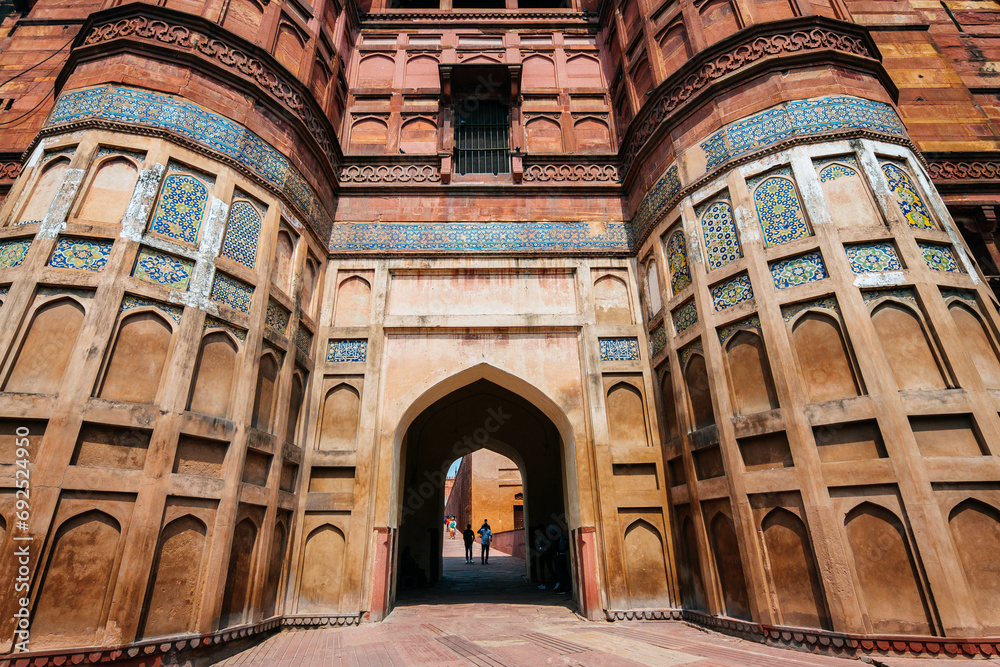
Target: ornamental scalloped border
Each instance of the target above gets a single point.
(10, 170)
(973, 170)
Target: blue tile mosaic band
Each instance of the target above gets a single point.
(161, 269)
(838, 169)
(873, 258)
(826, 303)
(654, 203)
(231, 292)
(798, 270)
(875, 296)
(131, 302)
(216, 323)
(685, 317)
(181, 207)
(154, 110)
(81, 254)
(242, 233)
(731, 292)
(908, 198)
(658, 340)
(749, 324)
(479, 237)
(619, 349)
(718, 226)
(343, 351)
(677, 261)
(779, 211)
(939, 257)
(12, 252)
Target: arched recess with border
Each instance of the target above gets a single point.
(611, 301)
(793, 570)
(108, 194)
(237, 594)
(824, 365)
(539, 71)
(243, 17)
(907, 347)
(422, 72)
(290, 46)
(211, 388)
(978, 343)
(626, 416)
(47, 347)
(353, 302)
(694, 588)
(295, 399)
(137, 359)
(275, 569)
(592, 134)
(975, 527)
(730, 567)
(544, 135)
(266, 391)
(284, 255)
(44, 191)
(750, 374)
(322, 570)
(699, 392)
(672, 426)
(886, 572)
(418, 135)
(720, 19)
(171, 605)
(646, 567)
(310, 281)
(341, 416)
(75, 594)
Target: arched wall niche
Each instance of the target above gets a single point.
(310, 281)
(978, 343)
(699, 392)
(175, 586)
(109, 191)
(750, 374)
(626, 416)
(238, 592)
(793, 570)
(137, 358)
(592, 135)
(275, 569)
(544, 135)
(289, 46)
(673, 427)
(422, 72)
(975, 528)
(419, 135)
(266, 391)
(376, 71)
(824, 364)
(888, 580)
(284, 257)
(848, 195)
(44, 191)
(243, 17)
(211, 389)
(295, 399)
(46, 348)
(645, 566)
(353, 303)
(341, 416)
(611, 301)
(694, 588)
(907, 347)
(322, 570)
(652, 281)
(369, 134)
(729, 566)
(720, 19)
(674, 47)
(539, 71)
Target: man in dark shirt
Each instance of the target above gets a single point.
(469, 538)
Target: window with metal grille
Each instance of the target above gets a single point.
(482, 137)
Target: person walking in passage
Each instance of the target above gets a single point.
(469, 538)
(451, 528)
(485, 537)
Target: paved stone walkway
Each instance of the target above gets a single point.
(488, 616)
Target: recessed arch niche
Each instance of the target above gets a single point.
(46, 348)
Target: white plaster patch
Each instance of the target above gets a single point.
(289, 218)
(55, 217)
(712, 188)
(141, 203)
(215, 227)
(887, 279)
(747, 224)
(763, 164)
(810, 187)
(36, 156)
(827, 149)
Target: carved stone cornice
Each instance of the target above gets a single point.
(390, 174)
(588, 173)
(946, 167)
(10, 166)
(748, 53)
(430, 19)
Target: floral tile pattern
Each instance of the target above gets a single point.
(242, 233)
(131, 302)
(910, 202)
(873, 297)
(658, 340)
(964, 295)
(12, 252)
(680, 274)
(339, 351)
(303, 340)
(156, 267)
(656, 202)
(718, 226)
(619, 349)
(750, 323)
(232, 292)
(685, 317)
(798, 270)
(181, 207)
(216, 323)
(81, 254)
(731, 292)
(873, 258)
(939, 257)
(838, 169)
(779, 210)
(826, 303)
(276, 317)
(685, 354)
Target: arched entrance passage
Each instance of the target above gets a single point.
(479, 414)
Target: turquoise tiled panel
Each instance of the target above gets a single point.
(798, 270)
(873, 258)
(910, 202)
(680, 274)
(81, 254)
(179, 212)
(939, 257)
(654, 204)
(731, 292)
(131, 302)
(12, 253)
(658, 340)
(276, 317)
(718, 226)
(232, 292)
(619, 349)
(338, 351)
(155, 267)
(685, 317)
(779, 211)
(242, 233)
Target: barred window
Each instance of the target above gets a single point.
(482, 136)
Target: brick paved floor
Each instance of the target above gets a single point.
(488, 616)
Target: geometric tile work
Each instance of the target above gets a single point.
(658, 340)
(654, 203)
(798, 270)
(619, 349)
(231, 292)
(242, 233)
(216, 323)
(873, 257)
(722, 244)
(779, 211)
(826, 303)
(965, 295)
(751, 323)
(939, 257)
(130, 302)
(276, 317)
(155, 267)
(188, 120)
(139, 157)
(685, 354)
(798, 118)
(180, 209)
(303, 339)
(680, 274)
(909, 202)
(685, 317)
(836, 168)
(875, 296)
(347, 350)
(81, 254)
(731, 292)
(12, 252)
